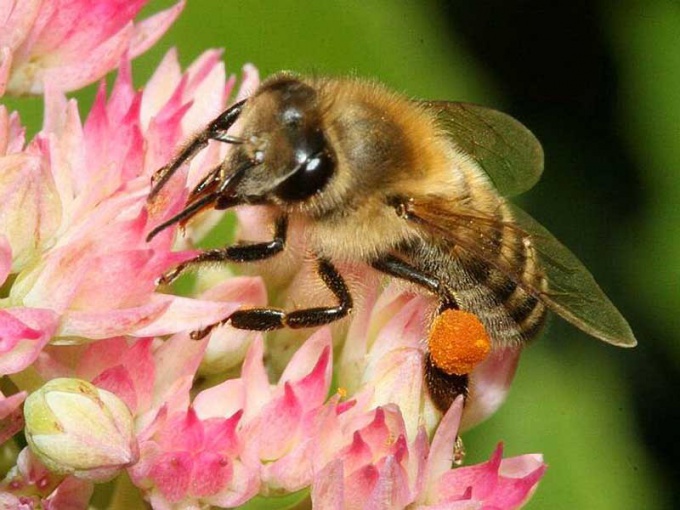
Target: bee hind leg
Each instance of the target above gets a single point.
(443, 387)
(399, 268)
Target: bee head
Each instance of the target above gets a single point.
(284, 141)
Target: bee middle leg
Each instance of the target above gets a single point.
(237, 253)
(267, 319)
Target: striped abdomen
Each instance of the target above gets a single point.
(491, 273)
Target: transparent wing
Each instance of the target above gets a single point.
(571, 290)
(505, 149)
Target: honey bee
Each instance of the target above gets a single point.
(414, 189)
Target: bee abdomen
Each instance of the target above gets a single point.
(527, 312)
(503, 281)
(513, 319)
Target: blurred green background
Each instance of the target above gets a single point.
(599, 84)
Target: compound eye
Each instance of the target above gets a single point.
(310, 177)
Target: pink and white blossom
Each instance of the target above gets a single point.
(186, 460)
(71, 43)
(29, 484)
(381, 467)
(87, 272)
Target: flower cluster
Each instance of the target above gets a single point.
(99, 371)
(71, 43)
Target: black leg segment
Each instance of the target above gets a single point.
(263, 319)
(258, 319)
(237, 253)
(443, 387)
(311, 317)
(267, 319)
(399, 268)
(394, 266)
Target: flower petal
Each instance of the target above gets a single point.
(16, 19)
(439, 460)
(328, 487)
(147, 32)
(23, 334)
(11, 415)
(109, 323)
(489, 385)
(310, 369)
(184, 314)
(28, 203)
(5, 68)
(5, 259)
(172, 474)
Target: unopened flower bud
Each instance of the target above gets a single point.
(76, 428)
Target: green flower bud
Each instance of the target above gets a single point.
(75, 428)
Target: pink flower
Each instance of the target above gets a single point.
(86, 270)
(186, 460)
(11, 417)
(496, 484)
(215, 422)
(384, 354)
(374, 467)
(281, 422)
(147, 373)
(382, 468)
(67, 44)
(31, 485)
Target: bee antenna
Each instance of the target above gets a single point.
(216, 130)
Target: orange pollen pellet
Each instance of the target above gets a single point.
(458, 342)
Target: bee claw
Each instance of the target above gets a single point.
(200, 334)
(458, 452)
(168, 277)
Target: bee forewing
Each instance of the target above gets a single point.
(555, 277)
(572, 291)
(503, 147)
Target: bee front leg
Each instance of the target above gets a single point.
(267, 319)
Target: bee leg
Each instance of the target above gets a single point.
(394, 266)
(216, 130)
(263, 319)
(237, 253)
(443, 387)
(267, 319)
